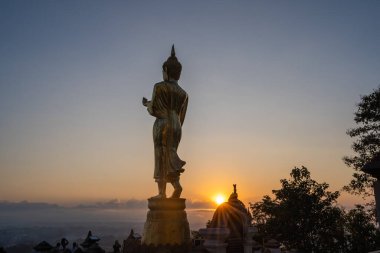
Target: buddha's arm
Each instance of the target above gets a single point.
(149, 104)
(145, 101)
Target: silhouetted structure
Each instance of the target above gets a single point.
(373, 168)
(230, 229)
(132, 244)
(235, 216)
(94, 248)
(168, 105)
(90, 244)
(166, 222)
(76, 248)
(43, 247)
(64, 243)
(116, 247)
(90, 239)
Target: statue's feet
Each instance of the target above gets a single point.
(177, 189)
(176, 193)
(159, 196)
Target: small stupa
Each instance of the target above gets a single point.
(91, 245)
(132, 243)
(233, 215)
(230, 229)
(43, 247)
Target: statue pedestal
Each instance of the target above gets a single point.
(215, 239)
(166, 223)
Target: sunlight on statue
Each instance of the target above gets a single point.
(168, 105)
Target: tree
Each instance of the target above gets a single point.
(366, 144)
(302, 215)
(361, 233)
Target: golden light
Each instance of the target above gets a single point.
(219, 199)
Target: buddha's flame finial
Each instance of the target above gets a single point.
(234, 188)
(173, 52)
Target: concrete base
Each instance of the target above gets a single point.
(166, 223)
(215, 239)
(249, 242)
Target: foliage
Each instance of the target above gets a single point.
(366, 142)
(195, 234)
(302, 215)
(362, 235)
(208, 223)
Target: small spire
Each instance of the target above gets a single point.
(234, 188)
(173, 51)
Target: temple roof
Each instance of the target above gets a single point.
(90, 239)
(233, 215)
(43, 246)
(95, 248)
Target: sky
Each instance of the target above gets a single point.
(271, 84)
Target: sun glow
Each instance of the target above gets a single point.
(219, 199)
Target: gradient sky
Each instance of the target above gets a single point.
(272, 85)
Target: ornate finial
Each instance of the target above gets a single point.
(233, 195)
(173, 52)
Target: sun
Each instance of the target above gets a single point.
(219, 199)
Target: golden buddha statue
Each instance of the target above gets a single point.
(168, 105)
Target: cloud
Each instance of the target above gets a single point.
(200, 204)
(46, 214)
(111, 204)
(140, 204)
(25, 206)
(115, 204)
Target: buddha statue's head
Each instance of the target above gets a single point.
(171, 69)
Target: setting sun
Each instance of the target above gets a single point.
(219, 199)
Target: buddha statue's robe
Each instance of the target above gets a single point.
(168, 105)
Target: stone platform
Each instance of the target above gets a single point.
(166, 223)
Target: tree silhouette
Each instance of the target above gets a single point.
(361, 232)
(302, 215)
(366, 144)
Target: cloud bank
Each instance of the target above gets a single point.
(26, 213)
